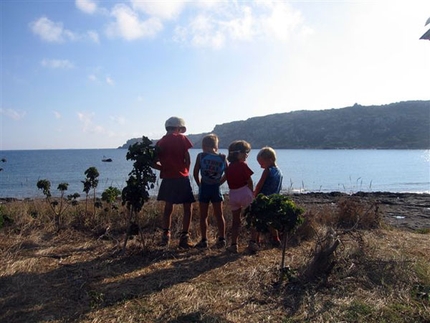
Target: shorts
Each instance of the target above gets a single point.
(210, 193)
(176, 191)
(240, 198)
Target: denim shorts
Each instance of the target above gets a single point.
(240, 198)
(210, 193)
(176, 191)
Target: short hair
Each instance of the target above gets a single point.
(267, 153)
(210, 140)
(236, 147)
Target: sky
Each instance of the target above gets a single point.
(93, 74)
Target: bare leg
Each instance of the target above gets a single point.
(219, 219)
(187, 217)
(204, 207)
(235, 228)
(167, 215)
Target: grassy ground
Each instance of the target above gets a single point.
(343, 265)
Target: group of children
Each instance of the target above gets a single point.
(211, 170)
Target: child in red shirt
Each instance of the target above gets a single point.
(239, 181)
(174, 164)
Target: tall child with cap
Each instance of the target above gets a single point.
(239, 181)
(174, 164)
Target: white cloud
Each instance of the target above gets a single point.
(57, 63)
(54, 32)
(13, 114)
(87, 6)
(94, 36)
(57, 114)
(50, 31)
(109, 80)
(92, 78)
(161, 9)
(88, 126)
(216, 24)
(241, 28)
(129, 26)
(280, 21)
(204, 32)
(118, 119)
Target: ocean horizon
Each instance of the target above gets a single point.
(304, 170)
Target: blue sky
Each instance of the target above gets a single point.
(93, 74)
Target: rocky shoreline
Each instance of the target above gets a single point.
(410, 211)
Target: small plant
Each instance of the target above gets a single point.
(109, 196)
(275, 211)
(141, 179)
(58, 207)
(90, 182)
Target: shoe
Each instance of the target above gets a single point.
(165, 239)
(233, 248)
(203, 244)
(253, 246)
(184, 241)
(220, 243)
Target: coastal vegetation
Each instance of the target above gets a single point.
(344, 263)
(402, 125)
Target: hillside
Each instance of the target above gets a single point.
(402, 125)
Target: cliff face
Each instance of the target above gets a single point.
(402, 125)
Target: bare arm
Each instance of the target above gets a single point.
(224, 176)
(156, 162)
(197, 170)
(156, 165)
(187, 159)
(250, 184)
(261, 182)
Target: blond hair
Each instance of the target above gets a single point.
(210, 141)
(237, 147)
(267, 153)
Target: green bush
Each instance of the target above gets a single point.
(276, 211)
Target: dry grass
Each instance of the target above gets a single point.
(75, 274)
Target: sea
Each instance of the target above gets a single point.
(346, 171)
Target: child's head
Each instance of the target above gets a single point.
(238, 150)
(174, 124)
(266, 157)
(210, 142)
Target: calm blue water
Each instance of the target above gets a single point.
(346, 171)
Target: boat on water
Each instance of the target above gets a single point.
(106, 160)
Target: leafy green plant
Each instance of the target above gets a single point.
(275, 211)
(141, 178)
(109, 196)
(90, 183)
(60, 205)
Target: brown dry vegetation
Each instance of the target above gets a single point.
(345, 264)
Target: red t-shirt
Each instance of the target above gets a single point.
(173, 149)
(238, 174)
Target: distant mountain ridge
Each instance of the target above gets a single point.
(401, 125)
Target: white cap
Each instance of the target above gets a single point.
(176, 122)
